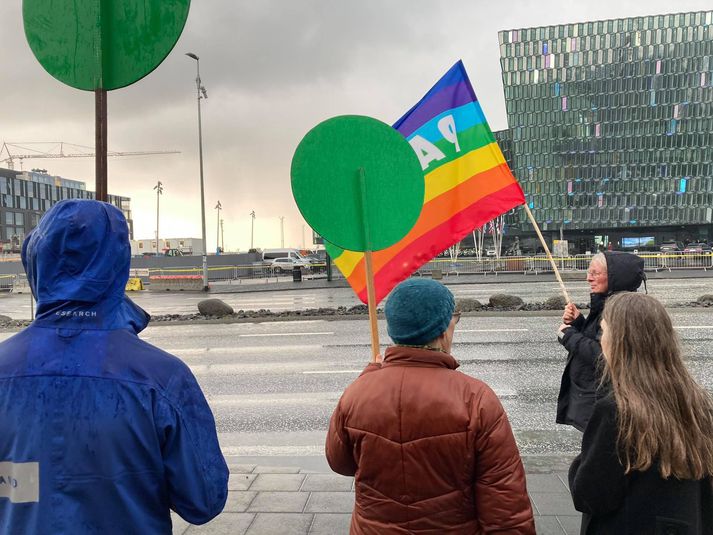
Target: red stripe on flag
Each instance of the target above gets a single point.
(424, 248)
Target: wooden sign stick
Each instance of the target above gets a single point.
(547, 250)
(370, 291)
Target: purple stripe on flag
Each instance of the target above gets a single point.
(447, 98)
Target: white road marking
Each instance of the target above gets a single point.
(288, 398)
(284, 334)
(693, 327)
(243, 349)
(491, 330)
(329, 372)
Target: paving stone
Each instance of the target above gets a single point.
(330, 502)
(278, 482)
(276, 470)
(545, 483)
(564, 477)
(548, 525)
(534, 508)
(571, 524)
(238, 500)
(238, 468)
(331, 524)
(279, 502)
(281, 524)
(179, 525)
(553, 503)
(240, 481)
(327, 482)
(224, 524)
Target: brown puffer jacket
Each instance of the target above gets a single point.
(431, 449)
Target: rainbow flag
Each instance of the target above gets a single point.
(468, 183)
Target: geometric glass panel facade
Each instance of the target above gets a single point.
(611, 122)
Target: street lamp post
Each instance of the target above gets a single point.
(201, 92)
(222, 237)
(159, 191)
(282, 231)
(252, 229)
(217, 228)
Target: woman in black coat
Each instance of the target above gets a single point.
(609, 272)
(647, 452)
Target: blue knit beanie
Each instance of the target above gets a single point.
(418, 311)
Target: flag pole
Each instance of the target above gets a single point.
(549, 254)
(370, 291)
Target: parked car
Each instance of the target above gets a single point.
(697, 248)
(286, 264)
(671, 247)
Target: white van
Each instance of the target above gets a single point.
(268, 255)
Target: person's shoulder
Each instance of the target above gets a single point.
(141, 362)
(477, 389)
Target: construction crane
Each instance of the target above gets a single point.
(59, 149)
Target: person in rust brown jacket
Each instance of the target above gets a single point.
(431, 448)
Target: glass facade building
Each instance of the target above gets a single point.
(610, 127)
(26, 196)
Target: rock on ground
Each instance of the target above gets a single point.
(556, 302)
(214, 307)
(468, 304)
(706, 299)
(505, 300)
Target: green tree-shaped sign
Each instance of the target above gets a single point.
(102, 44)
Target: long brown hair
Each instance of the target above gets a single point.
(663, 415)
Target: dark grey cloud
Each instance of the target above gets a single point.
(273, 69)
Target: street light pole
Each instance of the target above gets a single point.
(282, 231)
(159, 191)
(222, 237)
(201, 92)
(217, 228)
(252, 229)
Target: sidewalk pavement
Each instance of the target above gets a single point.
(286, 500)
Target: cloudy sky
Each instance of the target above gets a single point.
(273, 69)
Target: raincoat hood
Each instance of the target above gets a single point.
(77, 263)
(625, 271)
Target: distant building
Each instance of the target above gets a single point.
(26, 195)
(186, 246)
(610, 128)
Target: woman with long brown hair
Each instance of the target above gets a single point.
(647, 453)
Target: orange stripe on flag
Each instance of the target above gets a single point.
(437, 212)
(461, 170)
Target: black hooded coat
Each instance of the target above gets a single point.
(580, 378)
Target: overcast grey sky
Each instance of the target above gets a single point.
(273, 70)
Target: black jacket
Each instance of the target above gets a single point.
(582, 340)
(641, 503)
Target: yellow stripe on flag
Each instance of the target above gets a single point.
(458, 171)
(347, 261)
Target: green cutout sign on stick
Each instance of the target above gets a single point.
(102, 44)
(327, 188)
(359, 184)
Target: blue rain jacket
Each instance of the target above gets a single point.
(100, 432)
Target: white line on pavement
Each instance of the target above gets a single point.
(492, 330)
(284, 334)
(325, 372)
(693, 327)
(244, 349)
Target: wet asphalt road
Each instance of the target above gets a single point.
(273, 386)
(17, 306)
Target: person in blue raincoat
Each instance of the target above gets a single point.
(100, 432)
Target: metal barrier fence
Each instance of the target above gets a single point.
(439, 267)
(541, 264)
